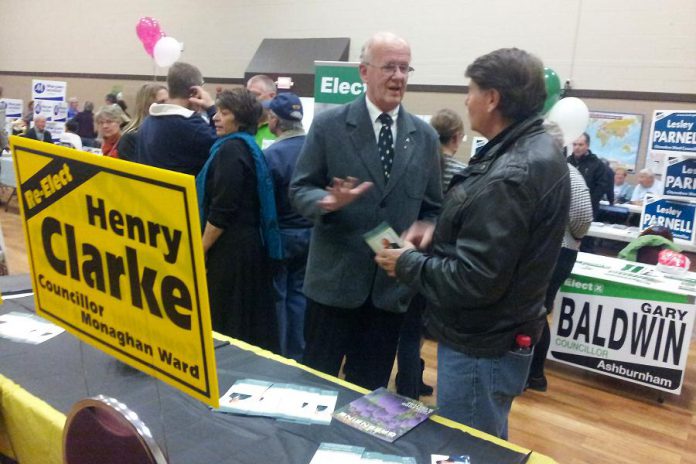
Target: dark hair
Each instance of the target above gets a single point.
(587, 138)
(245, 107)
(658, 230)
(72, 126)
(111, 98)
(447, 123)
(180, 79)
(124, 107)
(517, 75)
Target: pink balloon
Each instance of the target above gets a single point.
(149, 32)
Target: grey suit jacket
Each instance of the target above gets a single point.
(341, 271)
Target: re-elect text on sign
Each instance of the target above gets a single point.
(117, 260)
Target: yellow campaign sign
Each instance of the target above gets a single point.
(116, 258)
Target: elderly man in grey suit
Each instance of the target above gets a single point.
(362, 164)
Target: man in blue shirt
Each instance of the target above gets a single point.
(176, 136)
(285, 122)
(73, 109)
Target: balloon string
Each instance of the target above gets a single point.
(575, 43)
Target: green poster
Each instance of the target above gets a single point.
(336, 83)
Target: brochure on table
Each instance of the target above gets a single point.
(450, 459)
(27, 328)
(335, 453)
(624, 319)
(384, 414)
(286, 401)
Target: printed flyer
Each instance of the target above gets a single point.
(384, 414)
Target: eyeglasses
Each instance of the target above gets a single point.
(390, 68)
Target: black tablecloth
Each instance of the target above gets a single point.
(63, 370)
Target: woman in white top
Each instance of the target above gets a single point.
(69, 138)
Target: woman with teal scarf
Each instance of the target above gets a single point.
(240, 230)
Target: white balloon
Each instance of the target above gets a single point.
(572, 116)
(167, 51)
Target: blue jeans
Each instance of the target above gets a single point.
(291, 304)
(478, 392)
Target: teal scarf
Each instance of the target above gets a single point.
(270, 231)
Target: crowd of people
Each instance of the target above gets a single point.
(484, 247)
(83, 129)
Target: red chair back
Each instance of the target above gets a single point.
(103, 430)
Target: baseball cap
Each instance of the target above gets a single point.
(286, 105)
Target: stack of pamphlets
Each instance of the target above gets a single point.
(27, 328)
(449, 459)
(332, 453)
(284, 401)
(384, 414)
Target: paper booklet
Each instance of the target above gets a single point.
(449, 459)
(376, 236)
(384, 414)
(333, 453)
(280, 400)
(27, 328)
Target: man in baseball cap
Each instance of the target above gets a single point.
(285, 106)
(285, 121)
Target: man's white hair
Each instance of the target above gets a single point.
(379, 38)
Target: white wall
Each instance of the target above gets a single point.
(646, 45)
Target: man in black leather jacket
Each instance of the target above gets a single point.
(593, 170)
(494, 246)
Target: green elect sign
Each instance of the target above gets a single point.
(337, 82)
(590, 286)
